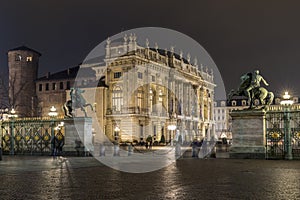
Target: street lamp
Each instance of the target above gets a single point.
(286, 103)
(117, 130)
(52, 114)
(12, 116)
(171, 127)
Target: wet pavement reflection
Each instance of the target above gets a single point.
(86, 178)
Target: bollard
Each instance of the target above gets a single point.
(0, 153)
(178, 150)
(194, 149)
(116, 150)
(102, 150)
(130, 150)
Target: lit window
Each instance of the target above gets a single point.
(243, 102)
(29, 59)
(233, 103)
(140, 98)
(117, 99)
(53, 86)
(117, 74)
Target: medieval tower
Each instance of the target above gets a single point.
(23, 71)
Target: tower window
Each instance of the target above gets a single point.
(40, 87)
(68, 85)
(18, 57)
(53, 86)
(61, 85)
(29, 58)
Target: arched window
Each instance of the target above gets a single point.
(244, 103)
(117, 98)
(233, 103)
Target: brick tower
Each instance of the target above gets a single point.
(23, 65)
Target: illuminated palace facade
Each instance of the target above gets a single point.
(141, 91)
(147, 90)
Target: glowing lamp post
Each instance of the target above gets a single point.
(52, 114)
(12, 116)
(117, 130)
(171, 128)
(287, 103)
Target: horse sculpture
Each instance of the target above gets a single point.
(77, 101)
(263, 95)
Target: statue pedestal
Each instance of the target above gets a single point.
(78, 136)
(248, 134)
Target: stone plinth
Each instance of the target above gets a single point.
(78, 129)
(248, 134)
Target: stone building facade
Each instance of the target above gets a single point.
(149, 89)
(137, 92)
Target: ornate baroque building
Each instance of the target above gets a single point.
(141, 91)
(149, 89)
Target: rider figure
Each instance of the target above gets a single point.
(255, 83)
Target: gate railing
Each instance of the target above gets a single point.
(29, 136)
(276, 130)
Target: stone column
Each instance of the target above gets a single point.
(248, 134)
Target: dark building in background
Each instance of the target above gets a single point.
(23, 64)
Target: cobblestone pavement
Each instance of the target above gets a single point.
(85, 178)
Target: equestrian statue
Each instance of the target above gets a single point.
(77, 101)
(250, 87)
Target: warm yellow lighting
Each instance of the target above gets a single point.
(52, 112)
(172, 127)
(286, 100)
(12, 114)
(117, 129)
(286, 95)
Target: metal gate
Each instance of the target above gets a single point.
(283, 134)
(29, 136)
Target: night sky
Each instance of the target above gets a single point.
(239, 35)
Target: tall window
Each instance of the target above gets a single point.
(117, 74)
(29, 59)
(140, 98)
(47, 86)
(61, 85)
(140, 75)
(68, 85)
(40, 87)
(53, 86)
(117, 98)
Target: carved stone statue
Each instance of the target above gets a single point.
(250, 87)
(77, 101)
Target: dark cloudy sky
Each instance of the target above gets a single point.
(239, 35)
